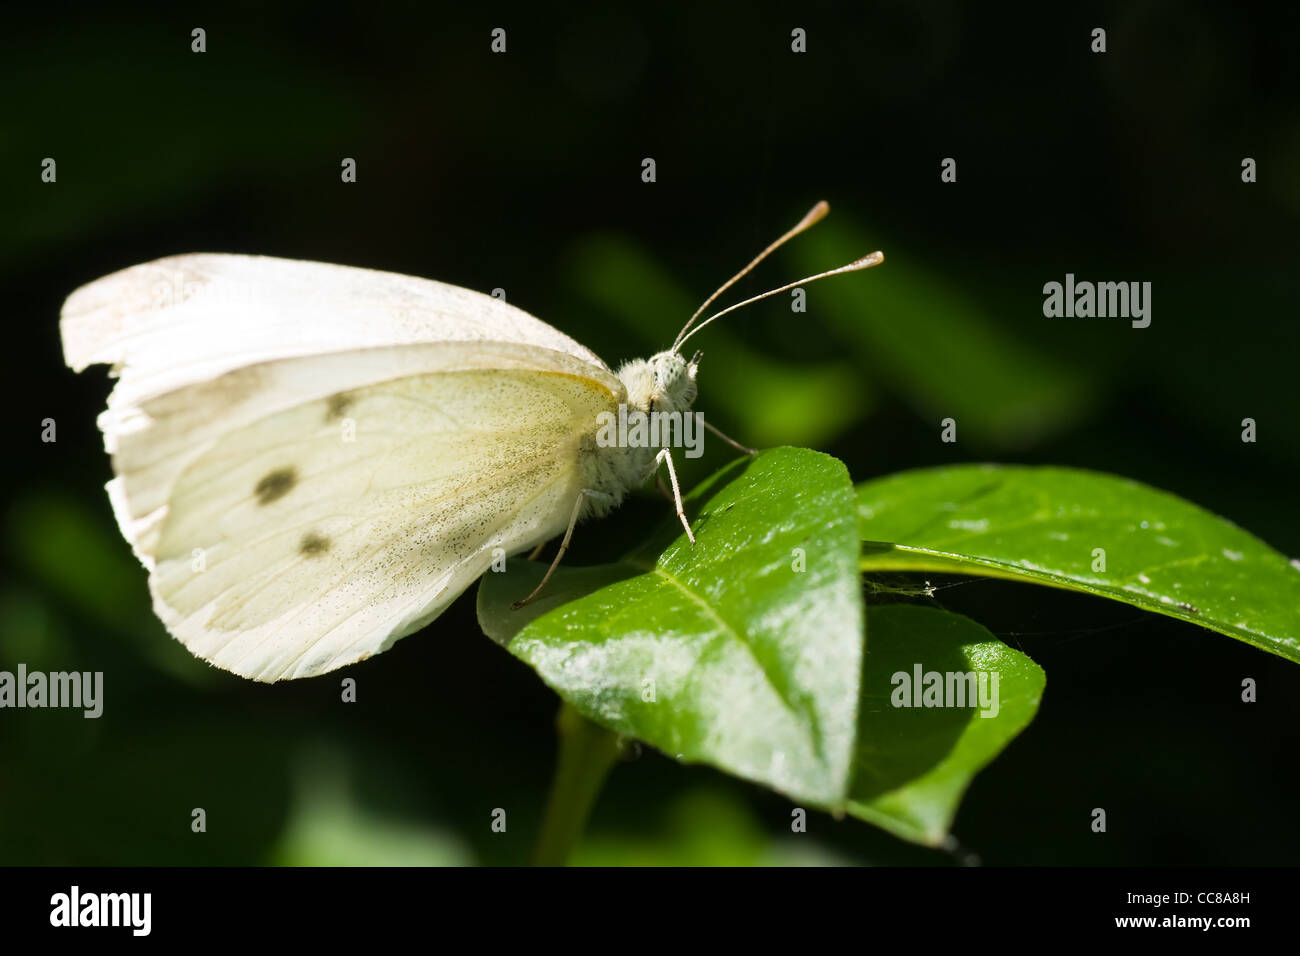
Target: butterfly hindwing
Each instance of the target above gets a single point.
(320, 534)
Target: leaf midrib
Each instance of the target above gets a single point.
(815, 740)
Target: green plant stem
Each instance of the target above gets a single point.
(587, 751)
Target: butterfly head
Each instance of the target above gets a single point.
(675, 387)
(665, 382)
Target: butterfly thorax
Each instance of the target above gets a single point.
(660, 392)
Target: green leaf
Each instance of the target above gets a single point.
(1045, 525)
(721, 652)
(914, 763)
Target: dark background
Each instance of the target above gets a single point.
(522, 171)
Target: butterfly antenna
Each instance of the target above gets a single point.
(811, 218)
(866, 262)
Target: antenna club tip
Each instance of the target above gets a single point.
(867, 261)
(816, 214)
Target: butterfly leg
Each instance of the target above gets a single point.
(666, 456)
(564, 545)
(730, 441)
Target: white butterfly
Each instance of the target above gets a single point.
(314, 460)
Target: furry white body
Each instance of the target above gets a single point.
(662, 383)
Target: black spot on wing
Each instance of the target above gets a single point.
(313, 545)
(275, 484)
(337, 405)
